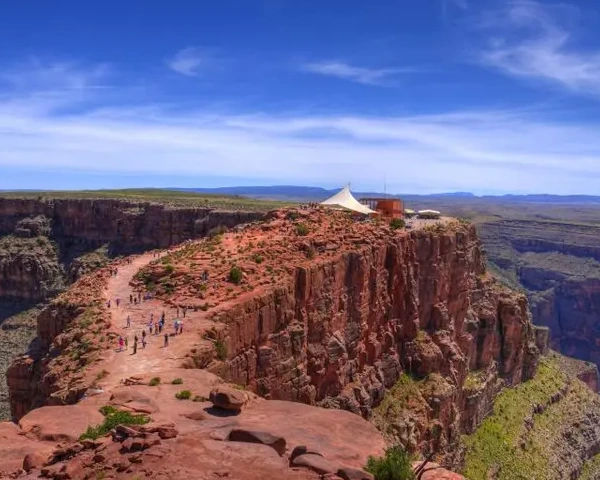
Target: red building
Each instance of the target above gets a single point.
(386, 207)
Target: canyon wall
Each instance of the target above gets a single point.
(43, 241)
(343, 331)
(47, 244)
(558, 265)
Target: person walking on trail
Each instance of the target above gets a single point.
(155, 328)
(143, 339)
(176, 326)
(121, 342)
(184, 310)
(118, 301)
(128, 321)
(126, 342)
(135, 341)
(166, 340)
(180, 327)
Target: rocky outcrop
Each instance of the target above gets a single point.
(127, 226)
(572, 310)
(558, 265)
(335, 313)
(45, 239)
(51, 372)
(47, 244)
(29, 268)
(343, 330)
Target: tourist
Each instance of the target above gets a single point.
(126, 342)
(144, 339)
(155, 328)
(184, 311)
(176, 326)
(128, 321)
(180, 327)
(135, 342)
(121, 343)
(118, 301)
(166, 340)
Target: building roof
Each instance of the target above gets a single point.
(344, 199)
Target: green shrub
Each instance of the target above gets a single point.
(154, 381)
(397, 223)
(113, 417)
(302, 229)
(258, 258)
(183, 395)
(235, 275)
(221, 349)
(169, 268)
(199, 398)
(395, 465)
(177, 381)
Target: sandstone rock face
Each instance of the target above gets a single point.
(572, 310)
(42, 243)
(51, 372)
(127, 226)
(559, 266)
(33, 268)
(344, 330)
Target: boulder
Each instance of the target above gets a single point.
(228, 398)
(254, 436)
(34, 460)
(60, 423)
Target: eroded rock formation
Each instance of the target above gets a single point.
(77, 226)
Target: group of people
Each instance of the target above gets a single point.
(154, 328)
(139, 298)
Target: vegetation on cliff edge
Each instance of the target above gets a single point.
(519, 439)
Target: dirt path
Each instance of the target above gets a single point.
(155, 357)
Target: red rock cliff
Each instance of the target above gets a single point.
(344, 328)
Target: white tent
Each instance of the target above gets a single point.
(344, 199)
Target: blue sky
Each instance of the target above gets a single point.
(428, 96)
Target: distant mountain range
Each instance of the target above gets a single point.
(297, 193)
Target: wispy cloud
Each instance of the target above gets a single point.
(190, 61)
(35, 75)
(532, 40)
(345, 71)
(477, 151)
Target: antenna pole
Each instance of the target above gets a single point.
(384, 187)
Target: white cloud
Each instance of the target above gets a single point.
(528, 39)
(366, 76)
(190, 61)
(474, 151)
